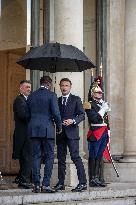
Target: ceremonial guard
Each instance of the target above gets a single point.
(96, 110)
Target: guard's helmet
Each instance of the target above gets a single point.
(98, 79)
(95, 89)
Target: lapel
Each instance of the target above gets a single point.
(60, 103)
(69, 101)
(22, 96)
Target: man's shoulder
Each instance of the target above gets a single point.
(48, 93)
(19, 100)
(59, 98)
(75, 97)
(19, 97)
(51, 93)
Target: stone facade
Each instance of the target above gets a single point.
(74, 22)
(13, 24)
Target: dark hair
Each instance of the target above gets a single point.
(25, 81)
(66, 79)
(45, 80)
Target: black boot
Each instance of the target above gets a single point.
(91, 171)
(96, 180)
(101, 174)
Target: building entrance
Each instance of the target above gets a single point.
(10, 75)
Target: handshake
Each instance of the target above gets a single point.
(104, 108)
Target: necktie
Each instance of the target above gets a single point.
(63, 104)
(64, 101)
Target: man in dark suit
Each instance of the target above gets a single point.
(21, 142)
(72, 113)
(44, 111)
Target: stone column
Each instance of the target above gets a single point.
(130, 80)
(68, 29)
(35, 39)
(115, 82)
(127, 166)
(115, 73)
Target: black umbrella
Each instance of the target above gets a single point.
(56, 57)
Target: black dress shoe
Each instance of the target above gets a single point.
(79, 188)
(59, 187)
(36, 189)
(17, 180)
(95, 182)
(47, 189)
(103, 184)
(91, 184)
(25, 185)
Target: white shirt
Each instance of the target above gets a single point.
(66, 96)
(25, 96)
(42, 86)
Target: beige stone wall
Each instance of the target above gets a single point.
(13, 23)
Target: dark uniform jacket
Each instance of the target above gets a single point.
(94, 117)
(21, 121)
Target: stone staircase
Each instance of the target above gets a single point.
(113, 194)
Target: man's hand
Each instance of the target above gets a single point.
(68, 122)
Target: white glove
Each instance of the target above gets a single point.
(109, 133)
(104, 109)
(105, 105)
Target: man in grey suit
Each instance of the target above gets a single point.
(44, 111)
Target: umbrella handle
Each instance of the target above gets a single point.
(54, 84)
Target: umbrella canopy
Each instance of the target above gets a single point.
(56, 57)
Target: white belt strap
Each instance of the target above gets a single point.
(99, 125)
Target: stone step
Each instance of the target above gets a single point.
(129, 201)
(113, 194)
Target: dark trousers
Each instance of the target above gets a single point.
(25, 162)
(42, 147)
(97, 148)
(73, 146)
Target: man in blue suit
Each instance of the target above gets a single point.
(44, 111)
(72, 113)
